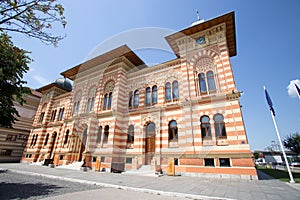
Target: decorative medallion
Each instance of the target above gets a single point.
(109, 86)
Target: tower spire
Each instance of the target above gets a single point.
(197, 13)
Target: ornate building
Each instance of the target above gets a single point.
(13, 140)
(121, 114)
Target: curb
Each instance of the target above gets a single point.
(107, 185)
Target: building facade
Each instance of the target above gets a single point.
(13, 140)
(121, 114)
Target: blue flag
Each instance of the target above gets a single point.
(298, 90)
(269, 101)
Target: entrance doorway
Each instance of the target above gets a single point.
(52, 145)
(149, 143)
(82, 145)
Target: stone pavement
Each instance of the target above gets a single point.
(178, 186)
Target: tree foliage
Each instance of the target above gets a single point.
(292, 142)
(13, 64)
(33, 18)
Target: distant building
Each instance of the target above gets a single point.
(121, 114)
(13, 140)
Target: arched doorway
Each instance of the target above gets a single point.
(52, 145)
(149, 143)
(83, 144)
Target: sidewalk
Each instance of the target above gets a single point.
(185, 187)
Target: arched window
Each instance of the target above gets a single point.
(53, 115)
(175, 91)
(211, 81)
(130, 99)
(109, 100)
(99, 135)
(148, 96)
(168, 91)
(106, 133)
(32, 140)
(205, 127)
(130, 135)
(154, 94)
(219, 125)
(202, 83)
(150, 130)
(84, 136)
(90, 104)
(66, 137)
(46, 139)
(61, 114)
(136, 98)
(173, 131)
(43, 110)
(76, 105)
(105, 101)
(36, 137)
(91, 99)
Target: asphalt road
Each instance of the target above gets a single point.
(20, 186)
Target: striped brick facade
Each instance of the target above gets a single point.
(164, 125)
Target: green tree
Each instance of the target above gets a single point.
(13, 64)
(34, 18)
(292, 142)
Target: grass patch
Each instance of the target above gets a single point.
(281, 175)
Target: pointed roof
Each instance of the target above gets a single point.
(118, 52)
(228, 18)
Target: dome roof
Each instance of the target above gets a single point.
(63, 83)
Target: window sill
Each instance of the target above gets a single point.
(173, 144)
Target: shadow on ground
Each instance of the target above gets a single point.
(263, 176)
(25, 190)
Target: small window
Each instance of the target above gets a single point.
(176, 161)
(148, 96)
(209, 162)
(173, 131)
(154, 94)
(136, 99)
(224, 162)
(41, 117)
(130, 134)
(205, 127)
(202, 83)
(5, 152)
(130, 99)
(66, 137)
(102, 158)
(99, 135)
(168, 92)
(94, 158)
(106, 133)
(219, 125)
(175, 91)
(211, 81)
(46, 139)
(53, 115)
(61, 157)
(128, 160)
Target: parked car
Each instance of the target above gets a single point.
(295, 164)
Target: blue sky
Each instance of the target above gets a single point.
(268, 41)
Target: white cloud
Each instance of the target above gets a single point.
(40, 79)
(292, 89)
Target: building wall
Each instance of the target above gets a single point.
(230, 153)
(13, 140)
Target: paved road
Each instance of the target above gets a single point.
(189, 187)
(21, 186)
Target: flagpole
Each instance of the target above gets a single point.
(268, 98)
(297, 90)
(284, 155)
